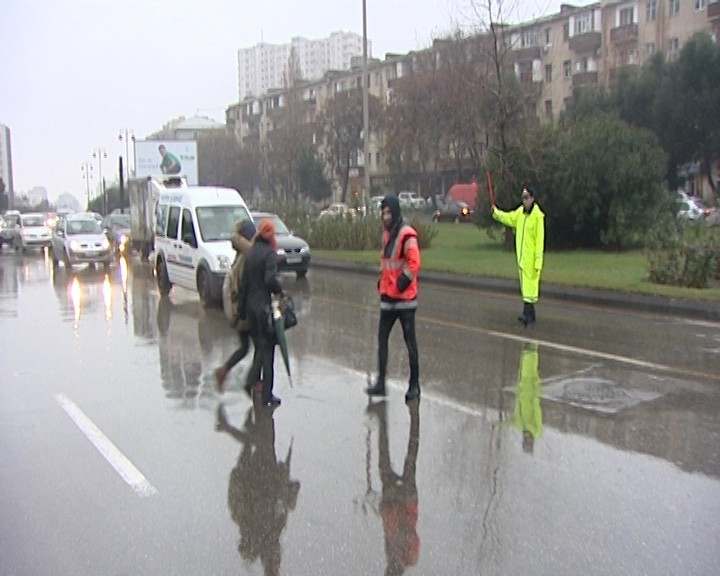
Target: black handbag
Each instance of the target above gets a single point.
(287, 307)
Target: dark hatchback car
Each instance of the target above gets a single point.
(293, 252)
(453, 212)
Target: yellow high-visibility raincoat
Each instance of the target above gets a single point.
(529, 246)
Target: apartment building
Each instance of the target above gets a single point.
(263, 66)
(6, 172)
(550, 56)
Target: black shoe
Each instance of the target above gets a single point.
(273, 401)
(412, 393)
(377, 390)
(531, 317)
(524, 318)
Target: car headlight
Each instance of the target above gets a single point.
(105, 244)
(280, 252)
(223, 262)
(74, 246)
(304, 249)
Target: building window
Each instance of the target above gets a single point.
(548, 73)
(699, 5)
(582, 24)
(377, 159)
(651, 10)
(673, 49)
(567, 70)
(627, 15)
(548, 109)
(566, 31)
(547, 36)
(674, 7)
(649, 50)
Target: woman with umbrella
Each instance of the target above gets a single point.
(261, 281)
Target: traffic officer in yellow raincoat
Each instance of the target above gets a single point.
(528, 221)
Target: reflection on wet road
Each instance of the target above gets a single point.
(588, 443)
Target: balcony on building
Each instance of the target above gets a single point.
(584, 78)
(713, 10)
(526, 53)
(585, 42)
(624, 34)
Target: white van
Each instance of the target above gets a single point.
(193, 226)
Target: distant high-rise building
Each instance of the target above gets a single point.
(6, 172)
(263, 66)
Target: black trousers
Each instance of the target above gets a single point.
(407, 321)
(263, 366)
(241, 352)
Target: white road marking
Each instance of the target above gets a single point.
(112, 454)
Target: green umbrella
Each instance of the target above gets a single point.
(279, 327)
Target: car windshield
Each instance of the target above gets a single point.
(12, 219)
(33, 221)
(280, 227)
(89, 226)
(120, 220)
(218, 222)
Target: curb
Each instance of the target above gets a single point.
(698, 309)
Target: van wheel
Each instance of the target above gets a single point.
(203, 287)
(163, 281)
(301, 273)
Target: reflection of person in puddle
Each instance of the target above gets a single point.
(528, 412)
(399, 502)
(261, 493)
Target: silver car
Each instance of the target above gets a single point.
(80, 239)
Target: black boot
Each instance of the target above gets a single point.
(413, 392)
(525, 316)
(377, 390)
(532, 313)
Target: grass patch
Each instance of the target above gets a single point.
(463, 249)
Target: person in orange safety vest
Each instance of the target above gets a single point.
(398, 288)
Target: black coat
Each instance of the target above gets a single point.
(260, 279)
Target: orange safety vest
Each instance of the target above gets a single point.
(404, 259)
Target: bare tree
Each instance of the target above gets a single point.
(222, 162)
(341, 124)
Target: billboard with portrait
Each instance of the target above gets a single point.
(158, 157)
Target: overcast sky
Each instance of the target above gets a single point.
(73, 73)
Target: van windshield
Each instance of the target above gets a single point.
(218, 222)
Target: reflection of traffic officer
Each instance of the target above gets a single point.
(399, 502)
(261, 493)
(528, 412)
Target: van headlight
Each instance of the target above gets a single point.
(223, 262)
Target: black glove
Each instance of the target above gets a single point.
(403, 282)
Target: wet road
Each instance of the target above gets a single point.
(586, 444)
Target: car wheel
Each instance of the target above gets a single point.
(435, 219)
(203, 287)
(301, 273)
(163, 281)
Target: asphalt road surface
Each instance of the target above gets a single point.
(588, 443)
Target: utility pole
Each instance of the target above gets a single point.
(366, 113)
(100, 153)
(127, 134)
(86, 168)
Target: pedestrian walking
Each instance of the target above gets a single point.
(261, 281)
(528, 222)
(398, 288)
(241, 241)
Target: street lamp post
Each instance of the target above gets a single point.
(100, 153)
(86, 169)
(127, 134)
(366, 112)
